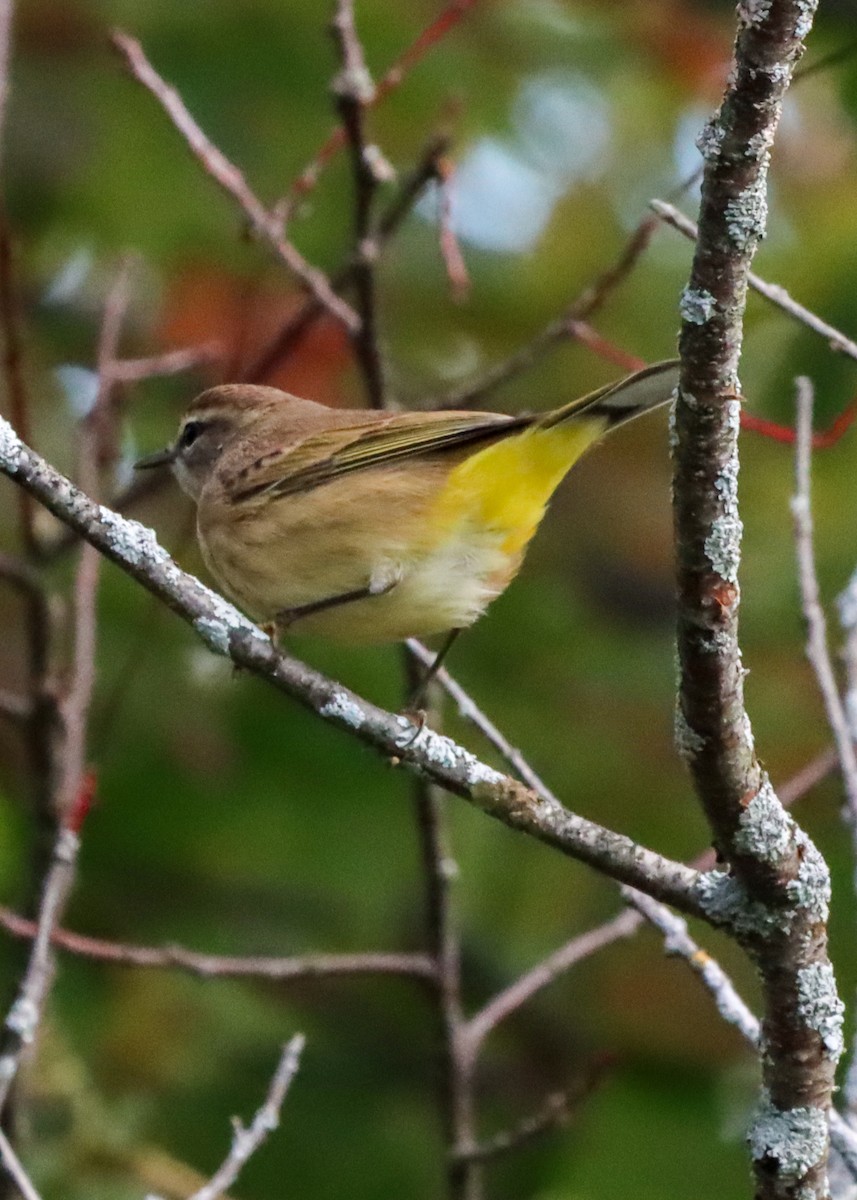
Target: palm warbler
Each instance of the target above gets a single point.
(376, 526)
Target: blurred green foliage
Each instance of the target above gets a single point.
(229, 820)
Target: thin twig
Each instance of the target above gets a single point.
(284, 341)
(501, 1006)
(455, 1064)
(554, 1114)
(94, 436)
(777, 295)
(172, 362)
(13, 1165)
(817, 650)
(450, 250)
(470, 711)
(230, 179)
(222, 966)
(677, 941)
(558, 330)
(354, 90)
(390, 80)
(245, 1142)
(16, 389)
(24, 1017)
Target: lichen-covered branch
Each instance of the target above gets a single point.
(774, 897)
(225, 631)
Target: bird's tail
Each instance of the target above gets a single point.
(622, 401)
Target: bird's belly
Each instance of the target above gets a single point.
(448, 588)
(433, 588)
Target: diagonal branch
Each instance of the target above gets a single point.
(224, 630)
(226, 174)
(773, 292)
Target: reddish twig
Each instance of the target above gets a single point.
(450, 250)
(392, 78)
(822, 440)
(230, 179)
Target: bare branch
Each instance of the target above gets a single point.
(560, 329)
(817, 649)
(456, 1066)
(285, 340)
(678, 941)
(172, 362)
(777, 295)
(775, 898)
(22, 1021)
(226, 174)
(470, 711)
(226, 631)
(246, 1142)
(390, 80)
(554, 1114)
(354, 91)
(13, 371)
(221, 966)
(625, 924)
(12, 1164)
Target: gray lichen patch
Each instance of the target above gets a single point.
(819, 1005)
(754, 12)
(11, 448)
(811, 889)
(723, 546)
(725, 902)
(746, 216)
(697, 306)
(688, 742)
(765, 830)
(794, 1138)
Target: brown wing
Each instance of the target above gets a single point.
(324, 456)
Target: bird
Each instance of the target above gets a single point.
(371, 526)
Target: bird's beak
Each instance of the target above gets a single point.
(159, 459)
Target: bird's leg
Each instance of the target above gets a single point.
(413, 706)
(286, 617)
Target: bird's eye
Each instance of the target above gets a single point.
(190, 433)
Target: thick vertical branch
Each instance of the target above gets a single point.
(775, 899)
